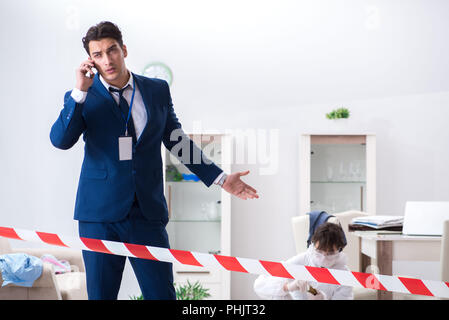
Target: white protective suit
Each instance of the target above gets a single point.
(271, 288)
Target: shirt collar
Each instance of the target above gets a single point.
(107, 85)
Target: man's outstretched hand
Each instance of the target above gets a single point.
(238, 188)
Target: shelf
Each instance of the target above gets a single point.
(199, 217)
(356, 182)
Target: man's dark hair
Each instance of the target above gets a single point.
(104, 29)
(329, 235)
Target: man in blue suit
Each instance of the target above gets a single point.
(124, 118)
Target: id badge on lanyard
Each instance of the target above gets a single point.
(125, 148)
(125, 143)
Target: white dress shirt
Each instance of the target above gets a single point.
(138, 112)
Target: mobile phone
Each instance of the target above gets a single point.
(91, 74)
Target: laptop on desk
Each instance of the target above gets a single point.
(425, 218)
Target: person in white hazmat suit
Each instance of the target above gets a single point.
(325, 251)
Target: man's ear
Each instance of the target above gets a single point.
(125, 51)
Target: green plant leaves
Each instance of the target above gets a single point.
(187, 291)
(191, 291)
(341, 113)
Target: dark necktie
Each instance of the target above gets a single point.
(124, 107)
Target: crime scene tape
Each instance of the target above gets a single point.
(271, 268)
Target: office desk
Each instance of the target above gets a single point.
(389, 247)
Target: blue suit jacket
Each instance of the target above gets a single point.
(107, 186)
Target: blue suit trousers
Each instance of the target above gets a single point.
(104, 271)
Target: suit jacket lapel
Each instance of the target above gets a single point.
(147, 97)
(99, 88)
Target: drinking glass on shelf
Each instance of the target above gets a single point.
(352, 174)
(204, 211)
(330, 172)
(342, 172)
(358, 171)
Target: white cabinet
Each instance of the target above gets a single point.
(199, 217)
(337, 172)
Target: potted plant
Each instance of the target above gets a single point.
(187, 291)
(340, 113)
(191, 291)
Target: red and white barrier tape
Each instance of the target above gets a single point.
(277, 269)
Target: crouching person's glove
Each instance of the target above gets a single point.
(296, 285)
(316, 294)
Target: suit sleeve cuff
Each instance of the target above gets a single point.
(78, 95)
(219, 177)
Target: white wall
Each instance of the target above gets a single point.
(237, 65)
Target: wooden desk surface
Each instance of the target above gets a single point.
(404, 247)
(385, 236)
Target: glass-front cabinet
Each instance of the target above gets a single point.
(199, 216)
(337, 173)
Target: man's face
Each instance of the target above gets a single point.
(109, 58)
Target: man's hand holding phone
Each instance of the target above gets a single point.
(85, 75)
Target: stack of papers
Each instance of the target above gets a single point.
(379, 222)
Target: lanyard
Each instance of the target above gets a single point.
(130, 107)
